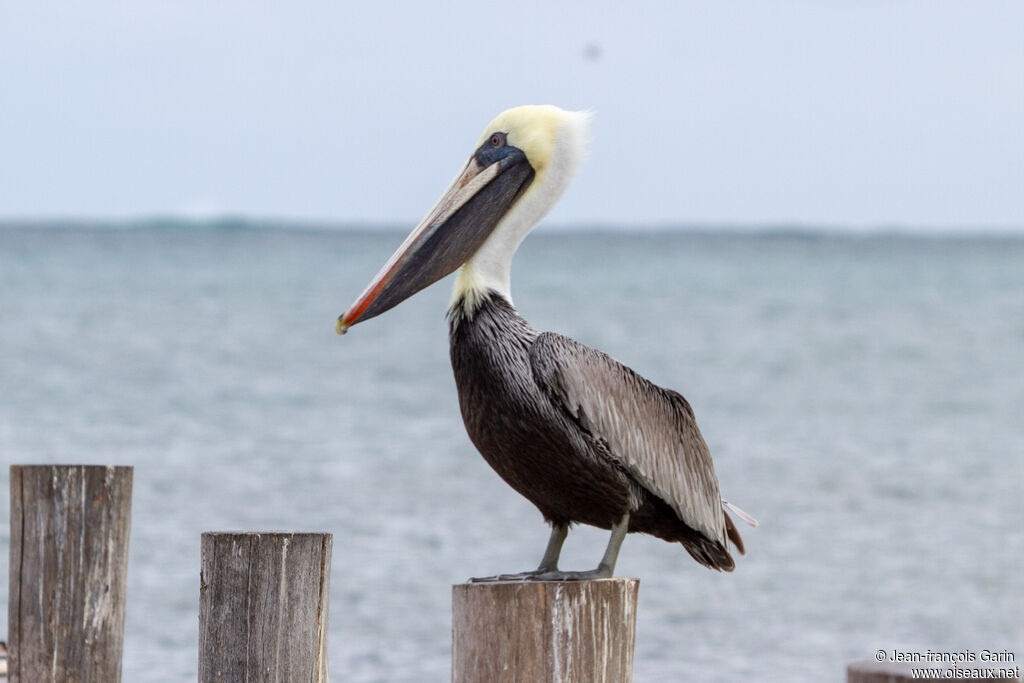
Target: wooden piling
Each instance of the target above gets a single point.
(68, 564)
(263, 607)
(544, 631)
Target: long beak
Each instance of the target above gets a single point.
(447, 237)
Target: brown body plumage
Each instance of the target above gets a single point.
(514, 401)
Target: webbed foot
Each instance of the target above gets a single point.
(521, 576)
(548, 569)
(602, 572)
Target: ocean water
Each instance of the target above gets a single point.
(863, 396)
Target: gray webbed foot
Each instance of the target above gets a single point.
(548, 569)
(601, 572)
(521, 576)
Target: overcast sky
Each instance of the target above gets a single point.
(859, 113)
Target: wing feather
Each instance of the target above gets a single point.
(650, 431)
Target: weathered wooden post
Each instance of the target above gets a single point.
(263, 607)
(544, 631)
(69, 561)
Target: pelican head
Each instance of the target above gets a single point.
(522, 164)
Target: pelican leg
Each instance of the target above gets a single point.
(550, 560)
(604, 570)
(548, 563)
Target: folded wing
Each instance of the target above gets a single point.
(650, 431)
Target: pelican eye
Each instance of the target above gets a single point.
(495, 148)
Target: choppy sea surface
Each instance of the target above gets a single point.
(863, 396)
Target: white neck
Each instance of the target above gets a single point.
(490, 267)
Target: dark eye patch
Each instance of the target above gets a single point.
(497, 140)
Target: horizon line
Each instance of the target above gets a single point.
(240, 220)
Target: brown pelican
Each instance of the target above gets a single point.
(581, 436)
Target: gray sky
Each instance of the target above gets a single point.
(859, 113)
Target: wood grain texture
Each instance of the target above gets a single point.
(263, 602)
(68, 564)
(544, 631)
